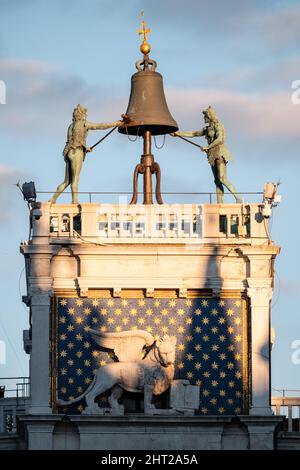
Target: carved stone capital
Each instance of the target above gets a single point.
(117, 291)
(260, 296)
(150, 292)
(183, 293)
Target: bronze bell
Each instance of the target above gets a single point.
(147, 109)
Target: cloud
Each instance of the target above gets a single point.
(40, 98)
(9, 176)
(268, 115)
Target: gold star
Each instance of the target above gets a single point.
(206, 374)
(230, 401)
(141, 320)
(63, 371)
(149, 312)
(230, 365)
(215, 347)
(87, 362)
(198, 347)
(102, 363)
(80, 408)
(181, 347)
(70, 345)
(62, 337)
(189, 357)
(205, 321)
(63, 353)
(79, 320)
(134, 327)
(214, 329)
(188, 303)
(222, 338)
(125, 320)
(205, 338)
(231, 347)
(222, 375)
(214, 383)
(87, 311)
(198, 365)
(103, 328)
(95, 320)
(164, 311)
(237, 357)
(87, 345)
(124, 302)
(111, 321)
(172, 303)
(172, 321)
(237, 303)
(157, 320)
(79, 337)
(237, 410)
(238, 338)
(70, 398)
(222, 356)
(230, 312)
(222, 393)
(164, 329)
(238, 394)
(188, 321)
(86, 328)
(87, 380)
(198, 311)
(95, 353)
(190, 375)
(149, 329)
(214, 311)
(230, 329)
(63, 302)
(141, 303)
(181, 329)
(206, 393)
(133, 311)
(221, 303)
(198, 329)
(238, 375)
(79, 371)
(221, 320)
(181, 365)
(70, 327)
(63, 390)
(118, 328)
(79, 302)
(118, 311)
(110, 302)
(205, 356)
(237, 321)
(79, 354)
(103, 311)
(214, 365)
(204, 303)
(156, 303)
(221, 410)
(62, 319)
(189, 338)
(198, 383)
(204, 410)
(70, 380)
(231, 384)
(213, 401)
(71, 311)
(95, 302)
(180, 311)
(70, 362)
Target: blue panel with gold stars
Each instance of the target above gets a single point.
(210, 344)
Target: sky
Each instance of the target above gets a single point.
(240, 56)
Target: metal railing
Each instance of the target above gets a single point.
(288, 406)
(14, 401)
(210, 197)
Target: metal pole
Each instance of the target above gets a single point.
(147, 162)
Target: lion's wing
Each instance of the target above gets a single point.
(127, 345)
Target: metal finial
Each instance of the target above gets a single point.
(145, 47)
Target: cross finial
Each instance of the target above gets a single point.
(145, 47)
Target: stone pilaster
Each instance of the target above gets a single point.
(260, 297)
